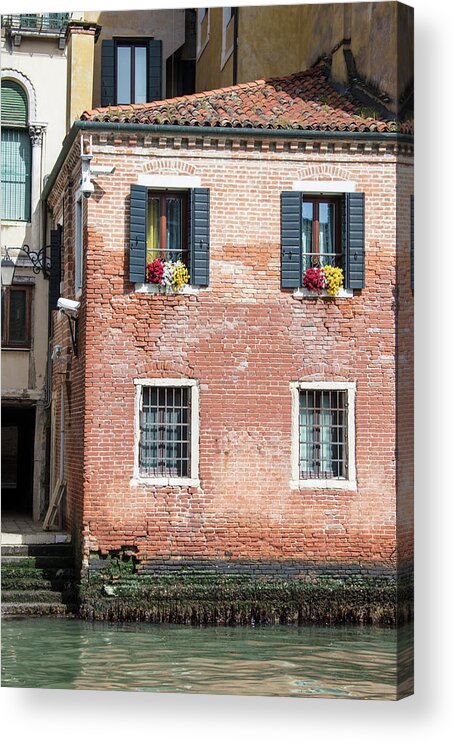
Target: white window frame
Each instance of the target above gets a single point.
(162, 183)
(78, 242)
(226, 53)
(193, 480)
(200, 45)
(346, 484)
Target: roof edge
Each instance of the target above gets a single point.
(224, 131)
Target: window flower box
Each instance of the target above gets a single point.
(170, 276)
(328, 279)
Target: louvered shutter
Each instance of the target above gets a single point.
(108, 97)
(138, 232)
(14, 104)
(354, 263)
(291, 239)
(54, 281)
(199, 236)
(412, 244)
(16, 172)
(155, 56)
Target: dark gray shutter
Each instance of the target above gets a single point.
(412, 245)
(155, 57)
(54, 280)
(138, 232)
(108, 97)
(291, 239)
(199, 236)
(355, 241)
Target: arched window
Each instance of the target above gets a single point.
(16, 153)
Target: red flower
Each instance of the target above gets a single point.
(314, 279)
(155, 271)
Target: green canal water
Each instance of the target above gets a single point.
(347, 662)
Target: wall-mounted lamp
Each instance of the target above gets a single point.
(40, 262)
(8, 267)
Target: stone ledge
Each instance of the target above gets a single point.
(305, 294)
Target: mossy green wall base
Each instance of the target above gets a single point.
(116, 590)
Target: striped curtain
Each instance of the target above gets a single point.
(153, 229)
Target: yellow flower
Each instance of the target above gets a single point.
(180, 275)
(334, 279)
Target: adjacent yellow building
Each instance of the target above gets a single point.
(366, 40)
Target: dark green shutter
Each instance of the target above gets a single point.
(355, 241)
(291, 239)
(138, 232)
(108, 97)
(16, 174)
(54, 282)
(14, 104)
(412, 245)
(155, 56)
(199, 236)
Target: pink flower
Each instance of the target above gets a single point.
(314, 279)
(155, 270)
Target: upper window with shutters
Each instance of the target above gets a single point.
(322, 243)
(16, 154)
(169, 238)
(131, 71)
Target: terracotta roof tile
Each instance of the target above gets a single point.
(305, 100)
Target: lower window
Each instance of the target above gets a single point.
(167, 448)
(16, 311)
(323, 434)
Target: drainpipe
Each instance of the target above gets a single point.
(47, 400)
(236, 47)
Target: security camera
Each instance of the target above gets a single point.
(68, 306)
(87, 187)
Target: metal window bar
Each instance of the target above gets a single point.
(318, 260)
(164, 448)
(323, 434)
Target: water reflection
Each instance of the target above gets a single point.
(277, 660)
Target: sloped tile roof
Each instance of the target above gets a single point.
(305, 100)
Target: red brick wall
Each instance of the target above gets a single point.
(405, 370)
(68, 369)
(245, 340)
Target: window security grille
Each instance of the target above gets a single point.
(323, 434)
(164, 448)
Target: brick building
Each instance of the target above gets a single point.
(242, 424)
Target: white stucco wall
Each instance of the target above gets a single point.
(42, 69)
